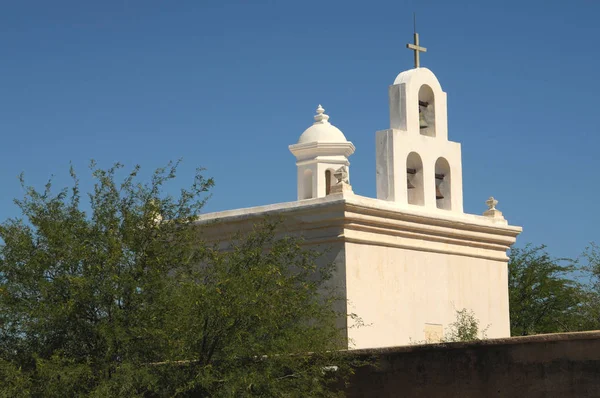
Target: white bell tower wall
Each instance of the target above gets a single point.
(415, 152)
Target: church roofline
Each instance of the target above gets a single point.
(377, 205)
(352, 218)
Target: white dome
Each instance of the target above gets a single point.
(322, 133)
(322, 130)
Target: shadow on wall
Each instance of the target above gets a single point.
(555, 365)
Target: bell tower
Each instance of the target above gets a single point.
(416, 164)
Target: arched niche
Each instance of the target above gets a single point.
(329, 181)
(414, 179)
(443, 182)
(307, 185)
(426, 111)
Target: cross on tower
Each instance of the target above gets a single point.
(417, 49)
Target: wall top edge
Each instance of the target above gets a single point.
(517, 340)
(335, 206)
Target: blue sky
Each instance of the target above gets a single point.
(228, 85)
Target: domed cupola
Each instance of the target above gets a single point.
(322, 130)
(320, 151)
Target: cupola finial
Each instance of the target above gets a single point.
(321, 117)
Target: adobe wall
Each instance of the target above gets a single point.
(555, 365)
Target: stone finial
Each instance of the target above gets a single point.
(341, 175)
(321, 117)
(491, 203)
(342, 184)
(492, 212)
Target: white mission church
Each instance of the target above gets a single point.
(407, 260)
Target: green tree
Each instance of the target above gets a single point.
(123, 298)
(544, 296)
(591, 257)
(464, 328)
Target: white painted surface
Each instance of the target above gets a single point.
(398, 291)
(399, 267)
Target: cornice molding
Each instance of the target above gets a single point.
(312, 149)
(351, 218)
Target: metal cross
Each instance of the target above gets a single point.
(417, 49)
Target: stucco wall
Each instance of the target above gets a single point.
(398, 291)
(403, 269)
(557, 365)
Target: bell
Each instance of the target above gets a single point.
(409, 185)
(422, 122)
(438, 193)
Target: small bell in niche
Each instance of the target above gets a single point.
(410, 171)
(439, 178)
(422, 122)
(438, 193)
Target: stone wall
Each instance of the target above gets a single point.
(553, 365)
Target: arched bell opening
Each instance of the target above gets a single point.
(426, 111)
(443, 181)
(307, 185)
(414, 179)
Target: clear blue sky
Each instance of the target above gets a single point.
(228, 85)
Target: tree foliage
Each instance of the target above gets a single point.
(544, 295)
(464, 328)
(591, 258)
(122, 297)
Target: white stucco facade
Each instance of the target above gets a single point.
(400, 268)
(407, 260)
